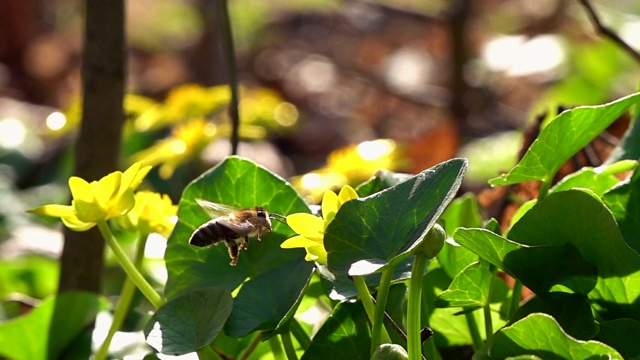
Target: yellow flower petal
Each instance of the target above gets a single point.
(329, 206)
(298, 242)
(317, 253)
(347, 193)
(80, 189)
(54, 210)
(76, 224)
(88, 211)
(122, 205)
(306, 225)
(106, 189)
(133, 176)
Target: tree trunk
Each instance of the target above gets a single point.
(98, 143)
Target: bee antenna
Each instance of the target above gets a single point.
(278, 217)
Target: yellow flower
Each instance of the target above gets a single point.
(311, 228)
(186, 141)
(152, 213)
(110, 197)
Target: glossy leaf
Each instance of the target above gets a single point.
(383, 179)
(629, 146)
(540, 335)
(624, 202)
(241, 183)
(48, 329)
(577, 220)
(345, 335)
(462, 212)
(562, 138)
(189, 322)
(589, 178)
(469, 288)
(370, 233)
(622, 334)
(572, 312)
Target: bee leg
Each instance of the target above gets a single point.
(246, 242)
(234, 251)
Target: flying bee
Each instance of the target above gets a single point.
(233, 226)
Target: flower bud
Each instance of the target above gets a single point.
(390, 352)
(432, 242)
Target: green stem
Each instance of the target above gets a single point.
(289, 348)
(128, 290)
(276, 348)
(299, 333)
(515, 297)
(429, 346)
(252, 346)
(207, 353)
(473, 329)
(488, 322)
(414, 301)
(544, 189)
(232, 71)
(365, 296)
(381, 304)
(147, 290)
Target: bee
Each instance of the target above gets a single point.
(233, 226)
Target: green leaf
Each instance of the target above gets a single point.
(622, 334)
(383, 179)
(562, 266)
(578, 220)
(344, 335)
(372, 232)
(624, 202)
(589, 178)
(469, 288)
(189, 322)
(241, 183)
(540, 335)
(629, 146)
(47, 330)
(562, 138)
(571, 311)
(462, 212)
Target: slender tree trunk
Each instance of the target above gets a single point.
(98, 143)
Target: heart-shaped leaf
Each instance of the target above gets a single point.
(540, 335)
(470, 287)
(562, 138)
(189, 322)
(622, 334)
(241, 183)
(370, 233)
(624, 202)
(629, 146)
(344, 335)
(572, 312)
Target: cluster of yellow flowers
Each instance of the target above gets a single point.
(113, 197)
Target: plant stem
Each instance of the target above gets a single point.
(429, 346)
(232, 71)
(276, 348)
(414, 301)
(147, 290)
(473, 329)
(299, 333)
(369, 307)
(252, 346)
(544, 189)
(515, 297)
(207, 353)
(128, 290)
(381, 304)
(289, 348)
(488, 322)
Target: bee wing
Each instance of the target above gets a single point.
(215, 210)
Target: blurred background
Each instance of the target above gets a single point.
(331, 91)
